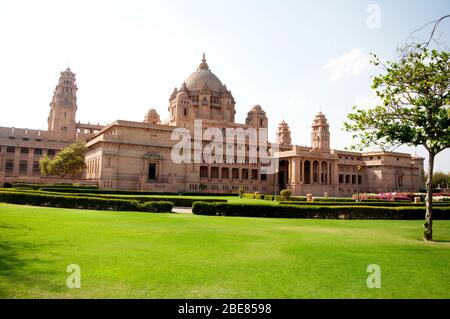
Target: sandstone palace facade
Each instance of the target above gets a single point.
(137, 155)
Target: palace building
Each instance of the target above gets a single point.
(136, 155)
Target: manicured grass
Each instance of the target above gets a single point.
(141, 255)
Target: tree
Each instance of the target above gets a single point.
(68, 162)
(414, 92)
(441, 179)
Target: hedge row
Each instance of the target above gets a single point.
(123, 192)
(369, 203)
(177, 201)
(79, 202)
(316, 199)
(54, 186)
(321, 212)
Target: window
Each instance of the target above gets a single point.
(400, 181)
(24, 150)
(9, 165)
(235, 173)
(203, 172)
(51, 152)
(23, 166)
(36, 167)
(225, 173)
(37, 151)
(255, 174)
(152, 171)
(245, 173)
(109, 161)
(347, 179)
(10, 149)
(214, 172)
(353, 179)
(341, 178)
(185, 112)
(264, 177)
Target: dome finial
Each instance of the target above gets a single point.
(203, 65)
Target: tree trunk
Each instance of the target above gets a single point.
(428, 233)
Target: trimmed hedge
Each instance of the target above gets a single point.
(177, 201)
(53, 186)
(123, 192)
(95, 203)
(321, 212)
(295, 199)
(369, 203)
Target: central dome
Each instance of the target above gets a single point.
(197, 80)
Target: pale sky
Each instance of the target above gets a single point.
(293, 58)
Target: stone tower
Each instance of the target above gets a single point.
(152, 117)
(257, 118)
(320, 134)
(284, 137)
(63, 108)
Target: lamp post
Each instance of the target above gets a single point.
(357, 183)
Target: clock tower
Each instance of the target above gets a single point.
(63, 108)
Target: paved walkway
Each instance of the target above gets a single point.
(182, 210)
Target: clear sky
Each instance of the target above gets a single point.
(293, 58)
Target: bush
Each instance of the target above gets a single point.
(79, 202)
(369, 203)
(177, 201)
(53, 186)
(286, 194)
(7, 185)
(315, 211)
(156, 207)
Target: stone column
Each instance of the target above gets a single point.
(297, 170)
(30, 162)
(15, 171)
(329, 174)
(320, 172)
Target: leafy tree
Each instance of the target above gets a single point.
(414, 92)
(68, 162)
(441, 179)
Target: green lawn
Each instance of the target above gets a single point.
(139, 255)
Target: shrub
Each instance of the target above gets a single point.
(315, 211)
(54, 186)
(241, 192)
(79, 202)
(177, 201)
(156, 207)
(368, 203)
(286, 194)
